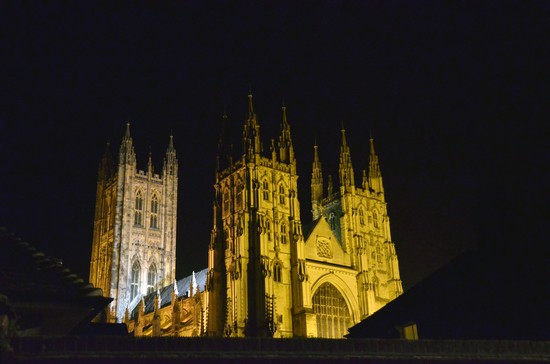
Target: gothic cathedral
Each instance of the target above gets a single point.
(268, 275)
(134, 238)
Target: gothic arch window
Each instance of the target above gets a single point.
(134, 283)
(277, 273)
(265, 190)
(239, 195)
(361, 216)
(282, 197)
(154, 212)
(283, 233)
(332, 221)
(375, 218)
(151, 278)
(226, 201)
(138, 213)
(331, 311)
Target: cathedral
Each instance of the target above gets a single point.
(268, 274)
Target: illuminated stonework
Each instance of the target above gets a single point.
(134, 241)
(269, 278)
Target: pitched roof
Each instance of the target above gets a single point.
(478, 295)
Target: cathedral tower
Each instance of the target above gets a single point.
(256, 258)
(358, 219)
(134, 239)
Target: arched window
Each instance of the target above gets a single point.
(282, 194)
(138, 214)
(134, 283)
(226, 202)
(151, 278)
(265, 190)
(283, 233)
(361, 216)
(375, 218)
(154, 212)
(331, 311)
(277, 275)
(239, 196)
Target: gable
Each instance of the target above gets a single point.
(322, 245)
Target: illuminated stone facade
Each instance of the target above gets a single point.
(267, 275)
(134, 239)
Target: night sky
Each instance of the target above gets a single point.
(455, 94)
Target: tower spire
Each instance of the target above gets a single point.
(127, 155)
(251, 132)
(286, 149)
(375, 176)
(316, 183)
(170, 160)
(347, 178)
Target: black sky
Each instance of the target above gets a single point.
(454, 93)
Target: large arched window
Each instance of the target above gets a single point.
(138, 213)
(154, 212)
(134, 283)
(331, 311)
(151, 278)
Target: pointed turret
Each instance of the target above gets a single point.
(375, 176)
(150, 168)
(251, 132)
(170, 161)
(286, 149)
(316, 183)
(347, 178)
(127, 155)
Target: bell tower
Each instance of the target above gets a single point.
(134, 240)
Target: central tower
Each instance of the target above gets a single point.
(256, 254)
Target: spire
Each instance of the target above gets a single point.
(127, 155)
(286, 149)
(346, 169)
(375, 176)
(316, 183)
(127, 135)
(150, 169)
(170, 160)
(251, 132)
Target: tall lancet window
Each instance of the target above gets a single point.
(277, 275)
(154, 212)
(151, 278)
(283, 233)
(265, 190)
(134, 283)
(239, 196)
(331, 311)
(138, 213)
(282, 194)
(375, 218)
(361, 216)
